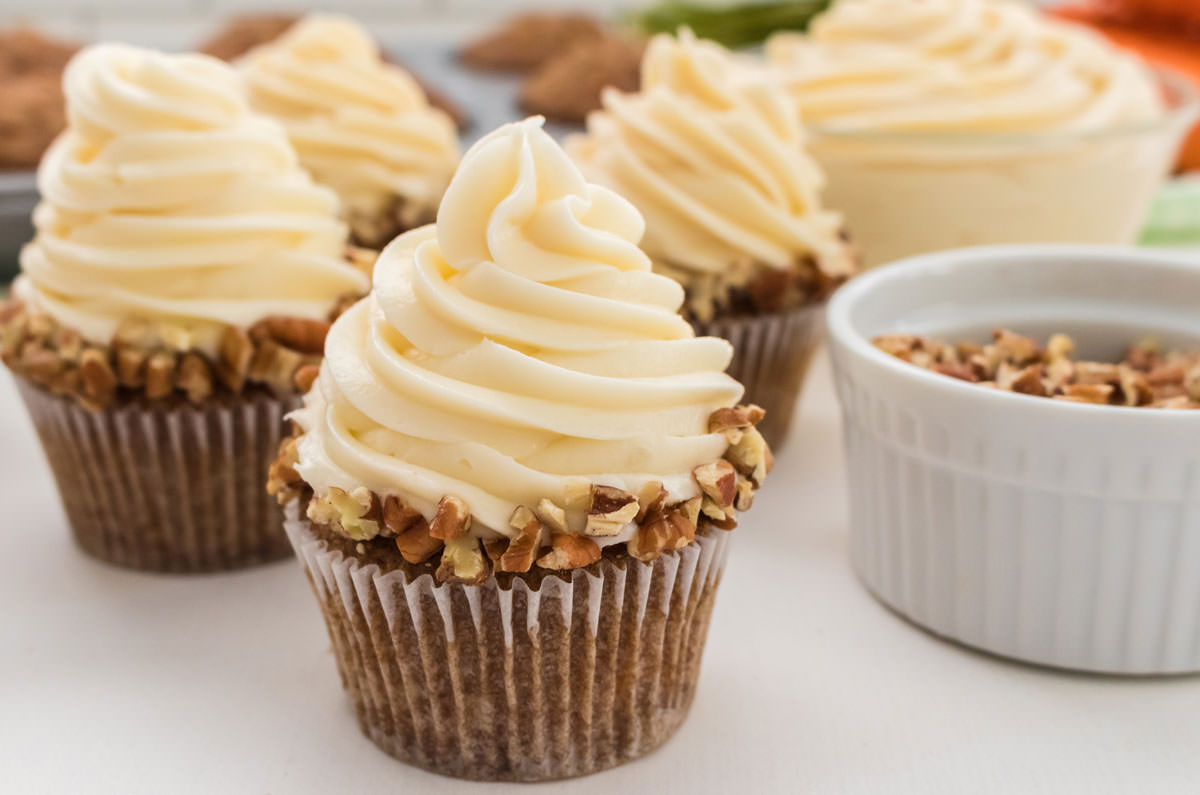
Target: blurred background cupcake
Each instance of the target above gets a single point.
(184, 271)
(515, 475)
(711, 152)
(361, 126)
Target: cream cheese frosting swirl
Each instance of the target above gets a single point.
(520, 349)
(361, 126)
(711, 151)
(992, 66)
(168, 200)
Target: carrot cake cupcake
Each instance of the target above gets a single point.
(360, 125)
(514, 478)
(711, 151)
(183, 274)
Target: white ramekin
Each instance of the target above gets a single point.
(1057, 533)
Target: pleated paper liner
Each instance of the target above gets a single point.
(540, 677)
(771, 355)
(170, 487)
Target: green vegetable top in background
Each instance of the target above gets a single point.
(735, 25)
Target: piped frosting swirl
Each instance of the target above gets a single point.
(711, 151)
(361, 126)
(991, 66)
(168, 200)
(520, 349)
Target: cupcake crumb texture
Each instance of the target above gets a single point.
(1148, 376)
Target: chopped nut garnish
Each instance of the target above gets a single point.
(463, 562)
(1148, 376)
(452, 520)
(415, 543)
(610, 510)
(522, 549)
(356, 514)
(569, 551)
(718, 481)
(398, 517)
(551, 515)
(305, 377)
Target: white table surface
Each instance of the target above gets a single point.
(114, 681)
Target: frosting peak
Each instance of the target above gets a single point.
(167, 199)
(711, 151)
(515, 351)
(360, 125)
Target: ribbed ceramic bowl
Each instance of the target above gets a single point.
(1056, 533)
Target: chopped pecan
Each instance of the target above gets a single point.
(569, 551)
(522, 549)
(194, 377)
(1090, 393)
(463, 562)
(98, 379)
(609, 510)
(160, 375)
(734, 421)
(302, 335)
(274, 366)
(651, 499)
(452, 519)
(38, 363)
(398, 517)
(355, 514)
(551, 515)
(131, 367)
(751, 456)
(416, 545)
(718, 481)
(306, 376)
(234, 354)
(282, 477)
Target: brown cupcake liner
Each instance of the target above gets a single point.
(536, 678)
(167, 486)
(771, 355)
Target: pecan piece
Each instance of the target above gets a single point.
(551, 515)
(282, 477)
(522, 548)
(751, 457)
(732, 422)
(194, 377)
(398, 516)
(569, 551)
(718, 481)
(234, 355)
(355, 514)
(415, 543)
(160, 375)
(131, 367)
(609, 510)
(463, 562)
(300, 334)
(452, 519)
(1090, 393)
(98, 379)
(305, 377)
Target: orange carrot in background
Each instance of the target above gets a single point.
(1164, 32)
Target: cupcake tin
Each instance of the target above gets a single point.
(1056, 533)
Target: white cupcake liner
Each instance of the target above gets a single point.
(536, 679)
(771, 355)
(167, 487)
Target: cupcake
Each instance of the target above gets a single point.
(951, 123)
(184, 271)
(513, 480)
(712, 153)
(361, 126)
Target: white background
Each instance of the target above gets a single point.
(113, 681)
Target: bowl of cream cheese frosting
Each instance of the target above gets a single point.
(949, 123)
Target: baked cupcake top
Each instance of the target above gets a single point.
(711, 151)
(169, 201)
(991, 66)
(360, 125)
(517, 360)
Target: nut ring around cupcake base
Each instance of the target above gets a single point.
(542, 678)
(771, 355)
(174, 487)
